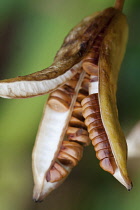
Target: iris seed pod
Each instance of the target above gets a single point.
(96, 46)
(99, 108)
(48, 143)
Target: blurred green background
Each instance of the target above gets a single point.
(31, 31)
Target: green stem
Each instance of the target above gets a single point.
(119, 4)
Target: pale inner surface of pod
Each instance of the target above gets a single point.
(26, 89)
(71, 149)
(66, 61)
(101, 120)
(49, 140)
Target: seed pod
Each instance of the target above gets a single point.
(48, 143)
(71, 151)
(97, 44)
(99, 109)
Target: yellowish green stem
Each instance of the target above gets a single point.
(119, 4)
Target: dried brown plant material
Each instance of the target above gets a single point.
(83, 82)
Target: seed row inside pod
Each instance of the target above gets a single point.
(71, 150)
(97, 134)
(92, 111)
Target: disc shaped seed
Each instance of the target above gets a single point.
(62, 95)
(89, 98)
(90, 110)
(90, 68)
(104, 153)
(100, 138)
(91, 118)
(95, 124)
(67, 89)
(77, 112)
(53, 175)
(80, 97)
(102, 145)
(58, 104)
(84, 139)
(90, 103)
(71, 83)
(61, 169)
(72, 144)
(108, 164)
(67, 159)
(96, 132)
(77, 123)
(73, 151)
(56, 173)
(85, 84)
(76, 131)
(77, 104)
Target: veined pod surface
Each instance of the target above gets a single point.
(100, 108)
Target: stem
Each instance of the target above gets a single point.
(119, 4)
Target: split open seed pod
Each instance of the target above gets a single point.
(53, 158)
(110, 58)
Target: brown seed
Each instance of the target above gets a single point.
(67, 89)
(56, 173)
(90, 68)
(69, 143)
(67, 159)
(90, 103)
(96, 132)
(91, 118)
(80, 97)
(84, 139)
(94, 124)
(76, 131)
(76, 123)
(77, 112)
(71, 83)
(53, 175)
(102, 145)
(108, 164)
(58, 104)
(73, 151)
(85, 84)
(99, 139)
(90, 110)
(61, 169)
(62, 95)
(89, 98)
(104, 153)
